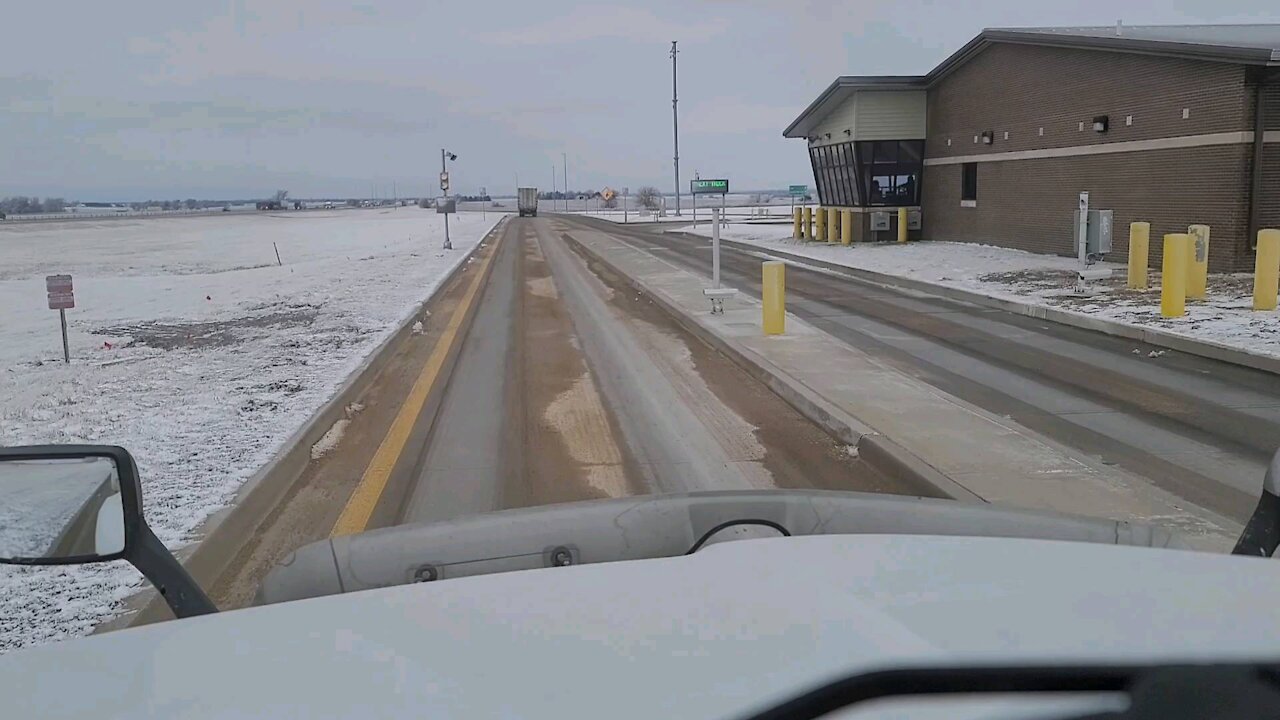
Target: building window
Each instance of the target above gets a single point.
(834, 175)
(969, 182)
(868, 173)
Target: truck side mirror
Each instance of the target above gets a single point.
(77, 504)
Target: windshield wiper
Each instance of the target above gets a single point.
(1219, 691)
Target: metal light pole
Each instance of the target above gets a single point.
(565, 158)
(553, 187)
(625, 193)
(675, 125)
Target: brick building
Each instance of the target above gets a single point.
(1171, 124)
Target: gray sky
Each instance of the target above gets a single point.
(133, 100)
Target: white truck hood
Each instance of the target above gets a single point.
(728, 630)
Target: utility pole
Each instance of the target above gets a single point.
(565, 158)
(675, 124)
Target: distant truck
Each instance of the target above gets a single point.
(527, 201)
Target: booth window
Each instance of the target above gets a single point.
(868, 172)
(834, 174)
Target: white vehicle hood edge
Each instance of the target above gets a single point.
(731, 629)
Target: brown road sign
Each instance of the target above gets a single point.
(62, 301)
(61, 294)
(57, 283)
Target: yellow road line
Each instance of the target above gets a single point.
(355, 516)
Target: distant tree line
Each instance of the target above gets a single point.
(19, 205)
(188, 204)
(571, 194)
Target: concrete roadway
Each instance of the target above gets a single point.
(1202, 429)
(570, 387)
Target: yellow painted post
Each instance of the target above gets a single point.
(902, 225)
(846, 227)
(774, 297)
(796, 216)
(1266, 272)
(833, 225)
(1197, 261)
(821, 218)
(1173, 279)
(807, 231)
(1139, 247)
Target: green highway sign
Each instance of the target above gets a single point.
(799, 190)
(709, 187)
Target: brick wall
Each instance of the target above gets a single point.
(1028, 204)
(1021, 88)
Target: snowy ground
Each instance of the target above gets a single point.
(195, 350)
(1225, 316)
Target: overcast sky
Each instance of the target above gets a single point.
(129, 100)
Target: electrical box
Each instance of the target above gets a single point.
(879, 221)
(446, 206)
(913, 219)
(1098, 237)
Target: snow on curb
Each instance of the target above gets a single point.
(1223, 320)
(196, 351)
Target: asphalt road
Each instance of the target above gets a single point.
(569, 386)
(1199, 428)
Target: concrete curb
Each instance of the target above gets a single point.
(882, 453)
(224, 535)
(1159, 338)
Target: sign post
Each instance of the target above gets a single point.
(715, 293)
(61, 298)
(444, 188)
(796, 191)
(715, 248)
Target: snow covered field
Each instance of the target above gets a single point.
(1224, 317)
(194, 349)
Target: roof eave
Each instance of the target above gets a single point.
(855, 82)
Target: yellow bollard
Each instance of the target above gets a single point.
(833, 226)
(846, 227)
(1173, 280)
(1139, 247)
(902, 225)
(821, 220)
(796, 215)
(806, 231)
(1197, 261)
(773, 295)
(1266, 273)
